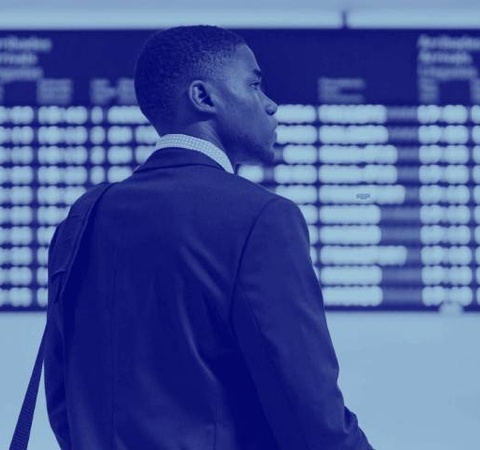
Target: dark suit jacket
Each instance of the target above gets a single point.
(193, 320)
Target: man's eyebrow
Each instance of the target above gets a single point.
(257, 72)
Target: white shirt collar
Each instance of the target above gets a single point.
(200, 145)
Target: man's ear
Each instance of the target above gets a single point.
(201, 96)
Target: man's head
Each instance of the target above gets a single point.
(205, 81)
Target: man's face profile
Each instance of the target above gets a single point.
(245, 121)
(205, 82)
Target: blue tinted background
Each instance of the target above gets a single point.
(412, 378)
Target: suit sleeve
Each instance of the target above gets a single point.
(279, 321)
(54, 362)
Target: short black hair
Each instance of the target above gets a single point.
(171, 59)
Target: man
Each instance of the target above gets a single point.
(193, 319)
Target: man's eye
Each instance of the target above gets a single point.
(258, 84)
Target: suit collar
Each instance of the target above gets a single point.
(196, 144)
(176, 157)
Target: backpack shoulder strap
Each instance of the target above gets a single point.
(68, 235)
(62, 252)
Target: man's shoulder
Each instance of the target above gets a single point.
(212, 192)
(255, 196)
(254, 189)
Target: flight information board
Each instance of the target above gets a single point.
(378, 144)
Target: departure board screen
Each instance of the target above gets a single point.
(378, 144)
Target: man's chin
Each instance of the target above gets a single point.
(270, 154)
(266, 156)
(256, 154)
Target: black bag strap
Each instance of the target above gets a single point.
(67, 237)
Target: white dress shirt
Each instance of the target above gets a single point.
(200, 145)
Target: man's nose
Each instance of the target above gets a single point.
(271, 107)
